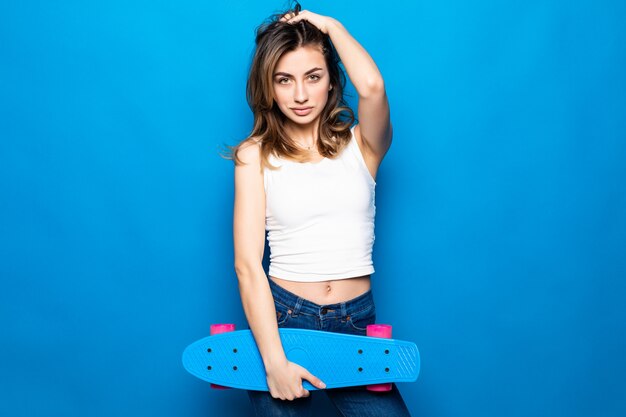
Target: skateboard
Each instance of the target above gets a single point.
(231, 359)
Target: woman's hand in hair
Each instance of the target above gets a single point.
(319, 21)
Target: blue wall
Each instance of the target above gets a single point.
(501, 224)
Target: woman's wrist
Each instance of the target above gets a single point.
(333, 26)
(274, 360)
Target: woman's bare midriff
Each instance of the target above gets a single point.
(327, 292)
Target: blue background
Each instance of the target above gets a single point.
(501, 223)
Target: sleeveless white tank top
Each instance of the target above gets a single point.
(319, 217)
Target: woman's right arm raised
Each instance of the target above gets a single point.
(284, 378)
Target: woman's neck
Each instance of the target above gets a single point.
(304, 135)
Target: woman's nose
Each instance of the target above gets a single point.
(300, 94)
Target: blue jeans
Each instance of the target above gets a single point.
(350, 317)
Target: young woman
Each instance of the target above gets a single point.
(307, 177)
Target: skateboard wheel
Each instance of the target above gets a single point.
(222, 328)
(217, 329)
(383, 331)
(379, 330)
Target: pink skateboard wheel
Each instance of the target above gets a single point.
(222, 328)
(217, 329)
(379, 330)
(383, 331)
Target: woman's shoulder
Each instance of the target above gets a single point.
(249, 150)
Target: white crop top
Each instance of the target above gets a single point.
(319, 217)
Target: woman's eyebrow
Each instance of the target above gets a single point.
(306, 73)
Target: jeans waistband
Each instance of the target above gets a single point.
(300, 305)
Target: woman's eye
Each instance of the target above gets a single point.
(284, 80)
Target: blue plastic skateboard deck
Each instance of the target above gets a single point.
(340, 360)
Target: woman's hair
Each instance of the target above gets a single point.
(273, 39)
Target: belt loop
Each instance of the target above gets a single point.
(343, 311)
(297, 307)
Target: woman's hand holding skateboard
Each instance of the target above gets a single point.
(285, 381)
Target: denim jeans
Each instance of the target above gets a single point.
(350, 317)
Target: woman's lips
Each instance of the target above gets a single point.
(303, 111)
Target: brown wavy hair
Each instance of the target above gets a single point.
(273, 39)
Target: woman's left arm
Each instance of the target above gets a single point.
(373, 107)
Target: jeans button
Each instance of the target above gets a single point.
(324, 311)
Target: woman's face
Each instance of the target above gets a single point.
(301, 84)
